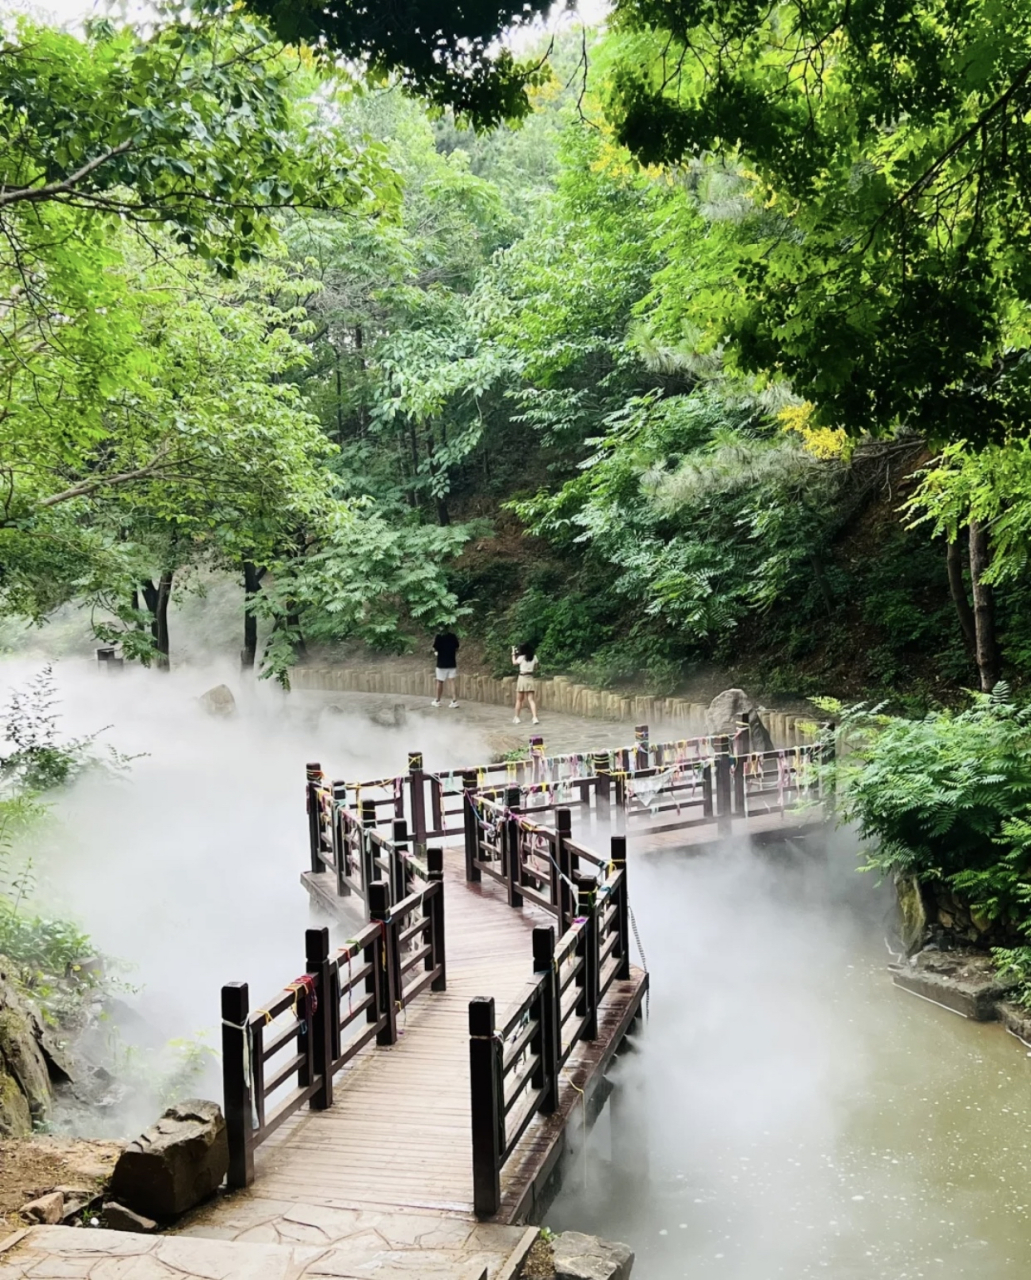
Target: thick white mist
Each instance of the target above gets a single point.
(789, 1112)
(187, 868)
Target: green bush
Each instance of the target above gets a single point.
(948, 798)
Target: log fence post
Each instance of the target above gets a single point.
(485, 1085)
(237, 1103)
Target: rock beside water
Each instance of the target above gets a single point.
(731, 709)
(582, 1257)
(175, 1164)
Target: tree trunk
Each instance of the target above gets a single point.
(984, 607)
(156, 599)
(161, 618)
(252, 577)
(820, 579)
(958, 591)
(340, 407)
(443, 514)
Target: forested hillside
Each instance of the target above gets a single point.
(596, 375)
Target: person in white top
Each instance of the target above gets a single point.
(525, 659)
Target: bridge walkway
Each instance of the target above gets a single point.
(392, 1157)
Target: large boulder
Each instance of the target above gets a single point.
(732, 710)
(175, 1164)
(580, 1257)
(218, 701)
(24, 1073)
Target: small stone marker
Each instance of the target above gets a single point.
(175, 1164)
(118, 1218)
(48, 1208)
(580, 1257)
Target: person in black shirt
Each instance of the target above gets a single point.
(445, 646)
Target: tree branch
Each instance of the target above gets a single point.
(66, 184)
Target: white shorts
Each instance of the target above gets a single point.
(447, 673)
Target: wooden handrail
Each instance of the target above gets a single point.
(330, 1018)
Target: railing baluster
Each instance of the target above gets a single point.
(562, 872)
(236, 1084)
(485, 1088)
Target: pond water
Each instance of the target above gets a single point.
(789, 1111)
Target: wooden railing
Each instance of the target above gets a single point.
(378, 830)
(516, 1065)
(284, 1055)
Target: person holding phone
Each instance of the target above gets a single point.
(525, 658)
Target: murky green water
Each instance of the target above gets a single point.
(790, 1112)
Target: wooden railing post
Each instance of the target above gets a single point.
(643, 750)
(435, 866)
(547, 1042)
(562, 872)
(723, 785)
(339, 847)
(236, 1083)
(386, 960)
(313, 772)
(510, 844)
(707, 809)
(370, 871)
(740, 747)
(323, 1015)
(472, 827)
(603, 778)
(417, 797)
(587, 946)
(618, 856)
(485, 1089)
(399, 866)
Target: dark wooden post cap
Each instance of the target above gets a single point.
(481, 1016)
(316, 945)
(543, 947)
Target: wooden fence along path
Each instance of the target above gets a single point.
(434, 1061)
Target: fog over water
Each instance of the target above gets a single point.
(790, 1112)
(187, 868)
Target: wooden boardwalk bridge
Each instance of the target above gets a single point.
(400, 1108)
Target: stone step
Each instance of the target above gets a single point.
(85, 1252)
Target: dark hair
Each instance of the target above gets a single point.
(526, 651)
